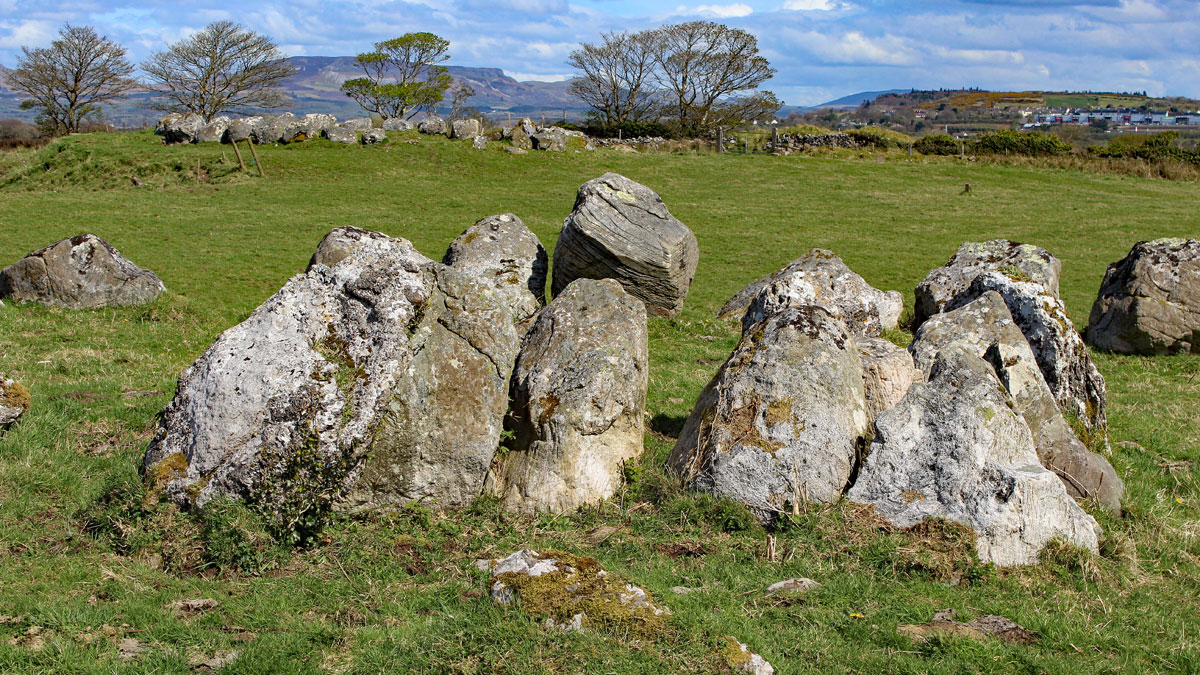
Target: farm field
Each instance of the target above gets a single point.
(88, 573)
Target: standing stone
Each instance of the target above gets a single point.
(1149, 302)
(782, 421)
(621, 230)
(1061, 354)
(501, 252)
(954, 448)
(83, 272)
(479, 143)
(986, 327)
(374, 136)
(819, 278)
(397, 124)
(551, 140)
(340, 135)
(358, 124)
(432, 125)
(578, 401)
(521, 135)
(888, 372)
(179, 127)
(1023, 260)
(465, 128)
(14, 401)
(214, 131)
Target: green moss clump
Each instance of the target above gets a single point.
(160, 474)
(733, 654)
(15, 395)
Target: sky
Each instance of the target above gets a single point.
(822, 49)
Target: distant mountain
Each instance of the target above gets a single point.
(855, 100)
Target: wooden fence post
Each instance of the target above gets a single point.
(241, 163)
(261, 173)
(720, 140)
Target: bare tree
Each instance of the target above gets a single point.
(701, 63)
(459, 94)
(222, 68)
(401, 76)
(69, 80)
(615, 76)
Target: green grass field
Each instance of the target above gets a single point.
(398, 592)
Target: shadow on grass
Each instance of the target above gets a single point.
(667, 425)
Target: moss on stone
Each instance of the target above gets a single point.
(733, 654)
(15, 395)
(160, 474)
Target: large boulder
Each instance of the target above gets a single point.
(14, 401)
(621, 230)
(241, 129)
(376, 377)
(272, 129)
(340, 135)
(315, 123)
(986, 327)
(521, 134)
(502, 252)
(578, 401)
(214, 131)
(374, 136)
(179, 127)
(972, 259)
(465, 128)
(432, 125)
(1149, 302)
(783, 419)
(819, 278)
(888, 372)
(397, 124)
(953, 448)
(358, 124)
(83, 272)
(1061, 355)
(551, 140)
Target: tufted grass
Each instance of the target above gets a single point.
(397, 591)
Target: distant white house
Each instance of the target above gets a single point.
(1118, 117)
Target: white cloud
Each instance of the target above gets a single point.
(17, 34)
(735, 10)
(809, 5)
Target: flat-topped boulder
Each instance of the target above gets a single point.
(621, 230)
(398, 124)
(357, 124)
(954, 448)
(502, 252)
(432, 125)
(465, 128)
(1029, 262)
(83, 272)
(1149, 301)
(819, 278)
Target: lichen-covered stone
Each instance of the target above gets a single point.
(973, 258)
(549, 140)
(432, 125)
(340, 135)
(358, 124)
(397, 124)
(373, 136)
(578, 401)
(214, 131)
(83, 272)
(621, 230)
(954, 448)
(888, 372)
(782, 421)
(272, 129)
(465, 128)
(574, 593)
(501, 251)
(479, 143)
(1149, 302)
(180, 127)
(521, 134)
(241, 129)
(1063, 358)
(986, 326)
(316, 123)
(819, 278)
(14, 401)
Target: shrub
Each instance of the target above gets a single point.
(1152, 148)
(880, 138)
(627, 130)
(937, 144)
(1031, 143)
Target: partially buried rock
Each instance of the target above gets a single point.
(944, 625)
(578, 401)
(358, 124)
(784, 418)
(432, 125)
(504, 253)
(397, 124)
(972, 259)
(180, 127)
(987, 328)
(1149, 302)
(340, 135)
(621, 230)
(83, 272)
(739, 657)
(376, 377)
(373, 136)
(464, 128)
(14, 401)
(819, 278)
(574, 593)
(794, 586)
(955, 449)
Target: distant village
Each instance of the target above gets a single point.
(1113, 117)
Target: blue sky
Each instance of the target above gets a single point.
(823, 49)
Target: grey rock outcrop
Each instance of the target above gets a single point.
(432, 125)
(214, 131)
(272, 128)
(954, 448)
(398, 124)
(986, 327)
(358, 124)
(179, 127)
(1149, 302)
(974, 258)
(374, 136)
(14, 401)
(888, 372)
(782, 421)
(578, 401)
(621, 230)
(83, 272)
(376, 377)
(550, 140)
(465, 128)
(340, 135)
(502, 252)
(819, 278)
(1061, 355)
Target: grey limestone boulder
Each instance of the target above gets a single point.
(432, 125)
(315, 123)
(819, 278)
(888, 372)
(621, 230)
(179, 127)
(397, 124)
(551, 140)
(241, 129)
(465, 128)
(358, 124)
(14, 401)
(986, 327)
(501, 252)
(83, 272)
(954, 448)
(578, 401)
(340, 135)
(973, 258)
(1149, 302)
(273, 129)
(373, 136)
(214, 131)
(783, 419)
